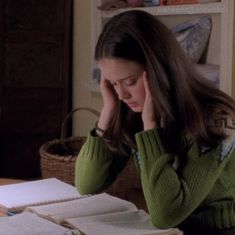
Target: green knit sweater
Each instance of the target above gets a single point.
(201, 192)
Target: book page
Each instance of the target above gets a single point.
(15, 197)
(28, 224)
(90, 205)
(126, 222)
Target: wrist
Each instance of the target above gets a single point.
(105, 118)
(150, 125)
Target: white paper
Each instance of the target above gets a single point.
(127, 222)
(18, 196)
(89, 205)
(31, 224)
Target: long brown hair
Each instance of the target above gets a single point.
(184, 101)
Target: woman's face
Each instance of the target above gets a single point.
(126, 77)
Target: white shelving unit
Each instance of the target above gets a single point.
(220, 45)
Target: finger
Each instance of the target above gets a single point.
(146, 84)
(102, 79)
(104, 82)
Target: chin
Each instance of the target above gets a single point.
(136, 109)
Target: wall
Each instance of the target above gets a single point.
(83, 96)
(81, 69)
(233, 83)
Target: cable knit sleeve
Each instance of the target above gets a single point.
(96, 167)
(172, 195)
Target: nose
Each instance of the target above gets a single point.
(122, 92)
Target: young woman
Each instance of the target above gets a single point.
(177, 126)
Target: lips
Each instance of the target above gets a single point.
(131, 105)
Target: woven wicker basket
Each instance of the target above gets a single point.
(58, 156)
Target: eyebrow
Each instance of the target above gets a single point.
(125, 78)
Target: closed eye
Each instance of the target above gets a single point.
(130, 82)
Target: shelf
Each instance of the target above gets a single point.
(186, 9)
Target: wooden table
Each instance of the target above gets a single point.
(4, 181)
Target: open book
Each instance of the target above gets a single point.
(100, 214)
(15, 197)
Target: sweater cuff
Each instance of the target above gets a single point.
(150, 142)
(94, 146)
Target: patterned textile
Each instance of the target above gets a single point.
(193, 36)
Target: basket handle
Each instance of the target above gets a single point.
(65, 121)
